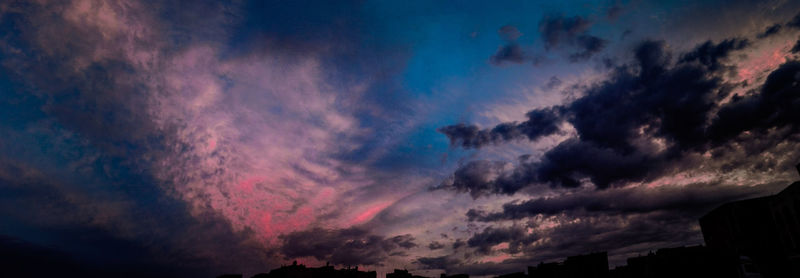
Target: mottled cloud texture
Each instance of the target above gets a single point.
(657, 143)
(250, 138)
(178, 139)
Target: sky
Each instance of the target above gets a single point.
(194, 138)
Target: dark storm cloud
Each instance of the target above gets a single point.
(709, 54)
(637, 232)
(775, 106)
(694, 198)
(602, 165)
(540, 123)
(624, 235)
(627, 229)
(350, 246)
(618, 119)
(476, 177)
(658, 97)
(517, 238)
(771, 30)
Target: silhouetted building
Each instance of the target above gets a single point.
(444, 275)
(513, 275)
(594, 265)
(591, 265)
(765, 229)
(402, 273)
(301, 271)
(785, 209)
(684, 262)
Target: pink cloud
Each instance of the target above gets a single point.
(763, 60)
(369, 213)
(254, 138)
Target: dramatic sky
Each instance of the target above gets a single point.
(192, 138)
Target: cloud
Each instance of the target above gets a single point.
(512, 51)
(540, 123)
(634, 126)
(694, 198)
(796, 47)
(509, 53)
(794, 22)
(710, 54)
(775, 106)
(517, 237)
(442, 262)
(556, 31)
(211, 136)
(571, 32)
(351, 246)
(478, 178)
(435, 245)
(459, 243)
(771, 30)
(246, 145)
(509, 33)
(588, 46)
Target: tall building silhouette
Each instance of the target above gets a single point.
(402, 273)
(765, 230)
(685, 262)
(594, 265)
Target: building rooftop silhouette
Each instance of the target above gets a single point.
(589, 265)
(402, 273)
(328, 271)
(685, 262)
(765, 230)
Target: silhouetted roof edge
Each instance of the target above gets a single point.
(795, 186)
(733, 203)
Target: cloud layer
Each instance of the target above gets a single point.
(185, 138)
(638, 124)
